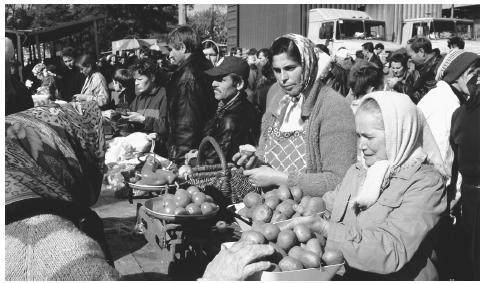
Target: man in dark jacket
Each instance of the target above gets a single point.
(368, 51)
(236, 121)
(190, 97)
(69, 78)
(426, 63)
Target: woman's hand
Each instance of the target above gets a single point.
(248, 162)
(135, 117)
(314, 222)
(265, 176)
(238, 262)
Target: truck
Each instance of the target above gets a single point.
(439, 30)
(347, 28)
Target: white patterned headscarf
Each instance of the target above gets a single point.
(408, 141)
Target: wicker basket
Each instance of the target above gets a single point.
(224, 180)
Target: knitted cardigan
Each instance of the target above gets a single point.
(330, 138)
(50, 248)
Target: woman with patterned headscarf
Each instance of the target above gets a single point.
(54, 158)
(385, 213)
(308, 131)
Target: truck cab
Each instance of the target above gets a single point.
(439, 30)
(346, 28)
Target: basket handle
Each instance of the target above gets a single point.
(206, 141)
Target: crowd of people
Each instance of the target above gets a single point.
(390, 141)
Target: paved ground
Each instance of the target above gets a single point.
(135, 258)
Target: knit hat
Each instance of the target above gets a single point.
(454, 64)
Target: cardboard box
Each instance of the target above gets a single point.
(324, 273)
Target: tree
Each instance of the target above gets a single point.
(210, 23)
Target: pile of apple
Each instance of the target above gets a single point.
(279, 205)
(295, 249)
(185, 202)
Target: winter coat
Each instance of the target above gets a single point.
(394, 239)
(191, 103)
(426, 81)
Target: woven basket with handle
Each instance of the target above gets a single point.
(224, 178)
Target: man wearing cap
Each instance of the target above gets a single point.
(236, 121)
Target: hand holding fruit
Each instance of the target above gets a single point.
(265, 176)
(238, 262)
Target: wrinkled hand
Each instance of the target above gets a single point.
(248, 162)
(238, 262)
(134, 117)
(314, 222)
(265, 176)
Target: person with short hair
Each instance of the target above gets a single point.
(69, 77)
(368, 51)
(426, 63)
(379, 48)
(95, 86)
(401, 79)
(149, 107)
(191, 102)
(455, 43)
(123, 82)
(364, 77)
(235, 122)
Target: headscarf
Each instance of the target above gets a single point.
(55, 152)
(408, 141)
(309, 64)
(216, 49)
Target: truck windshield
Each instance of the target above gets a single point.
(442, 29)
(465, 30)
(360, 29)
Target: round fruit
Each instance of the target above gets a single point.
(169, 209)
(278, 217)
(252, 199)
(193, 209)
(290, 264)
(286, 239)
(253, 237)
(221, 226)
(257, 225)
(314, 246)
(158, 205)
(286, 208)
(199, 198)
(278, 254)
(262, 213)
(208, 208)
(302, 232)
(245, 212)
(192, 190)
(331, 257)
(296, 193)
(209, 199)
(284, 193)
(272, 202)
(271, 193)
(270, 231)
(180, 211)
(315, 205)
(304, 201)
(181, 192)
(182, 200)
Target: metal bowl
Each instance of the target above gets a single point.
(176, 218)
(149, 188)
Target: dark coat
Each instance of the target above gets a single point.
(69, 82)
(191, 103)
(235, 124)
(426, 81)
(376, 60)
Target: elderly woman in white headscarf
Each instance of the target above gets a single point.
(385, 211)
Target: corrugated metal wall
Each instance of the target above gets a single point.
(232, 23)
(257, 25)
(394, 14)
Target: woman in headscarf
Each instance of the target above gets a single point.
(54, 159)
(95, 86)
(211, 51)
(308, 132)
(384, 214)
